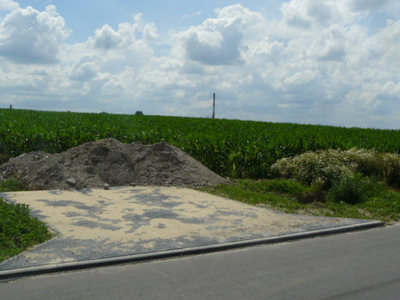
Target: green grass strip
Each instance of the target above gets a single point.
(18, 230)
(289, 196)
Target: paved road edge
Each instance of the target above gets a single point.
(56, 268)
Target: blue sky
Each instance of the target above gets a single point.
(332, 62)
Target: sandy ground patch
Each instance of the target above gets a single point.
(98, 223)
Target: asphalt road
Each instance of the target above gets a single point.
(360, 265)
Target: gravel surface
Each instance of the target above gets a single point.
(107, 163)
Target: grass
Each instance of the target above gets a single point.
(290, 196)
(18, 230)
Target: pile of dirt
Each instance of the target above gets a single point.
(109, 163)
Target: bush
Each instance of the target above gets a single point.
(331, 166)
(355, 189)
(391, 169)
(322, 167)
(367, 162)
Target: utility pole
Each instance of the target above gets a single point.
(213, 115)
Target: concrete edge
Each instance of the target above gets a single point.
(56, 268)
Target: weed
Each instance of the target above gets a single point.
(18, 230)
(355, 189)
(12, 185)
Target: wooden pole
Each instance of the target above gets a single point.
(213, 115)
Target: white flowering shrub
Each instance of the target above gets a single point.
(391, 170)
(367, 162)
(312, 167)
(330, 166)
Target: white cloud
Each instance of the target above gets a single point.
(85, 70)
(218, 41)
(8, 5)
(127, 35)
(330, 45)
(214, 48)
(305, 14)
(384, 46)
(362, 5)
(106, 38)
(28, 36)
(150, 32)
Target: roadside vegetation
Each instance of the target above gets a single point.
(348, 184)
(18, 230)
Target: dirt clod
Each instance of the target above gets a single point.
(108, 163)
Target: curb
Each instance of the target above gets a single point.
(56, 268)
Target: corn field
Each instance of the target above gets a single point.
(231, 148)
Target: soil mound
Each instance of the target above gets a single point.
(109, 163)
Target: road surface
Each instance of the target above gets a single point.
(359, 265)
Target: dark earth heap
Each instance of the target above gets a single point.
(109, 163)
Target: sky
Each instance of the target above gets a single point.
(328, 62)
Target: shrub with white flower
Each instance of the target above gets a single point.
(330, 166)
